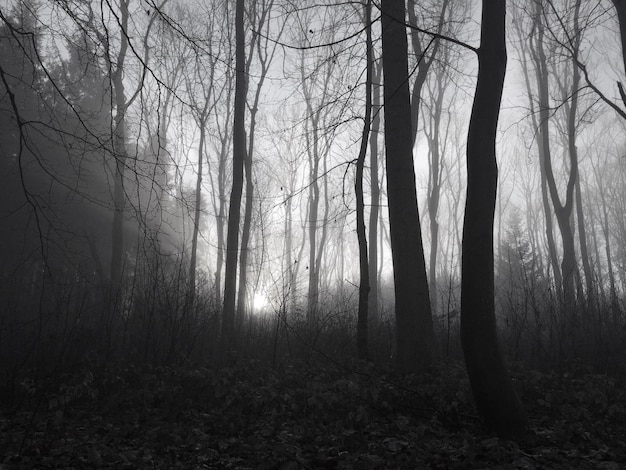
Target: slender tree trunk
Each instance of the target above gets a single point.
(374, 196)
(493, 391)
(322, 252)
(364, 284)
(531, 48)
(584, 250)
(197, 213)
(242, 293)
(423, 63)
(265, 8)
(220, 218)
(122, 103)
(572, 131)
(434, 193)
(239, 156)
(414, 324)
(606, 232)
(120, 155)
(563, 211)
(314, 198)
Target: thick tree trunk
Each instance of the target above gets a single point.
(239, 155)
(493, 391)
(414, 324)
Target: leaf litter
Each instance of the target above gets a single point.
(308, 417)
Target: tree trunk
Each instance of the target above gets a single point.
(364, 283)
(584, 250)
(493, 391)
(242, 294)
(423, 64)
(239, 155)
(563, 211)
(374, 196)
(414, 324)
(120, 155)
(197, 214)
(620, 7)
(434, 188)
(314, 198)
(260, 18)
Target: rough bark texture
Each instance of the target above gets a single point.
(493, 392)
(414, 326)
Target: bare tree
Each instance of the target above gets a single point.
(200, 89)
(239, 156)
(374, 193)
(260, 16)
(364, 279)
(493, 391)
(116, 61)
(414, 326)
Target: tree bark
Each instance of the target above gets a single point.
(234, 211)
(423, 63)
(414, 324)
(374, 195)
(562, 211)
(434, 184)
(120, 155)
(364, 282)
(496, 400)
(197, 213)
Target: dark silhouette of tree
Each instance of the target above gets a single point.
(493, 391)
(414, 327)
(364, 275)
(374, 193)
(260, 16)
(239, 156)
(620, 7)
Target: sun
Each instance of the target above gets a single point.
(259, 302)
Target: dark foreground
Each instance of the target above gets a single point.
(300, 417)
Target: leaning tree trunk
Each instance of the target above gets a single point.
(414, 323)
(496, 400)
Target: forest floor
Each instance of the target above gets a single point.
(306, 417)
